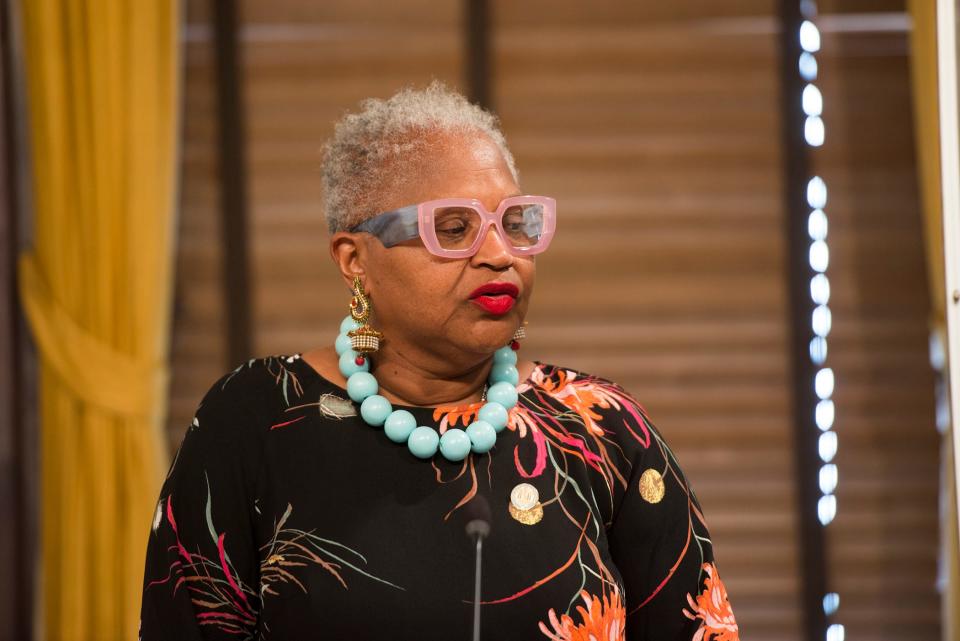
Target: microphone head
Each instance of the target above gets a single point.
(477, 515)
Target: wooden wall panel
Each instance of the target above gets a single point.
(656, 128)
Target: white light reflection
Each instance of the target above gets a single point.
(808, 66)
(827, 446)
(828, 478)
(820, 289)
(824, 414)
(831, 601)
(813, 131)
(823, 383)
(817, 193)
(817, 225)
(812, 101)
(827, 508)
(820, 320)
(818, 350)
(809, 37)
(819, 256)
(835, 632)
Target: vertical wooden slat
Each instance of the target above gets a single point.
(18, 480)
(796, 169)
(477, 42)
(233, 181)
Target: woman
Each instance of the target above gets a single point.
(322, 494)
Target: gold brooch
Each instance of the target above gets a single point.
(525, 504)
(652, 488)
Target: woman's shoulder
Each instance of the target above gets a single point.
(603, 406)
(258, 387)
(609, 414)
(564, 381)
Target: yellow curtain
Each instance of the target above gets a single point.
(923, 67)
(102, 88)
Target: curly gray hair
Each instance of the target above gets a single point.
(375, 150)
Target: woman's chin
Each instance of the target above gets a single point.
(489, 337)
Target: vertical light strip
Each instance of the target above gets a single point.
(950, 190)
(814, 133)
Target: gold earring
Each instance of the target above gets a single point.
(365, 339)
(519, 335)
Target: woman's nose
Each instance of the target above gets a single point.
(493, 250)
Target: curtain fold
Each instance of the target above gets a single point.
(923, 69)
(102, 95)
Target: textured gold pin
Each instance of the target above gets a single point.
(652, 488)
(525, 504)
(528, 517)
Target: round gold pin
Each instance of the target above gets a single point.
(525, 504)
(528, 517)
(652, 487)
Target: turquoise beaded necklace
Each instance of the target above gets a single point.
(400, 426)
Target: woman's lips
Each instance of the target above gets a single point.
(495, 304)
(495, 298)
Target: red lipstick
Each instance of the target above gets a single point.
(495, 298)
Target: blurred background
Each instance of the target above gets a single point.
(748, 241)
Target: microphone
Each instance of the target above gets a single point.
(477, 514)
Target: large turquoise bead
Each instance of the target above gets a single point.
(398, 425)
(423, 442)
(495, 414)
(455, 444)
(347, 324)
(482, 437)
(504, 372)
(361, 385)
(342, 344)
(375, 409)
(503, 393)
(505, 355)
(348, 364)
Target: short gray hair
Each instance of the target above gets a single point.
(373, 150)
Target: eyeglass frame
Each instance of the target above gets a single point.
(408, 222)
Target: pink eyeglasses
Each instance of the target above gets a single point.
(456, 227)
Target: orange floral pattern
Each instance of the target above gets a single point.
(601, 620)
(713, 609)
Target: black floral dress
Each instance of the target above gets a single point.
(285, 516)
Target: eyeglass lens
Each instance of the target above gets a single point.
(458, 227)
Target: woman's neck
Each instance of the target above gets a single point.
(416, 379)
(409, 381)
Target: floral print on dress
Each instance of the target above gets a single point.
(564, 412)
(601, 620)
(713, 610)
(292, 548)
(622, 544)
(220, 597)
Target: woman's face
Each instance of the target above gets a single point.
(423, 301)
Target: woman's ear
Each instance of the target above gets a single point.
(349, 254)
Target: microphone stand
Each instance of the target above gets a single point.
(477, 529)
(476, 591)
